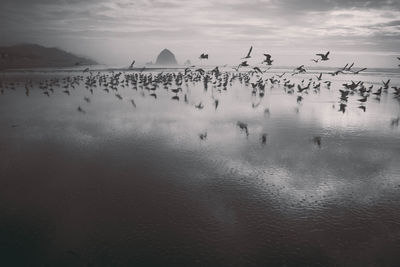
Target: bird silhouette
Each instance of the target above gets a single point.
(248, 53)
(324, 57)
(203, 56)
(268, 59)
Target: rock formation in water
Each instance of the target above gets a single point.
(166, 57)
(35, 56)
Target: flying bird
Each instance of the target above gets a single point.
(249, 53)
(267, 59)
(324, 57)
(203, 56)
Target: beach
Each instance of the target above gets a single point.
(163, 183)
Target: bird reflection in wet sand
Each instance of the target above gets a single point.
(257, 78)
(243, 126)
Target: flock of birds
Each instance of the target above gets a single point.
(173, 82)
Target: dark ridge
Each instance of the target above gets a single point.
(24, 56)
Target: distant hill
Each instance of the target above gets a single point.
(36, 56)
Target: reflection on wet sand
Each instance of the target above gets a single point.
(255, 180)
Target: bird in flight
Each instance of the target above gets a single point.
(131, 66)
(357, 72)
(324, 57)
(267, 59)
(249, 53)
(203, 56)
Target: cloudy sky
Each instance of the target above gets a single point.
(114, 32)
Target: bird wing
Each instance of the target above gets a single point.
(327, 53)
(321, 55)
(251, 48)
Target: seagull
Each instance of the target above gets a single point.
(386, 84)
(319, 77)
(248, 54)
(86, 70)
(131, 66)
(315, 60)
(324, 57)
(176, 90)
(203, 56)
(267, 59)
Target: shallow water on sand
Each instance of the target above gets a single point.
(121, 185)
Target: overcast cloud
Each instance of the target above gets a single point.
(114, 32)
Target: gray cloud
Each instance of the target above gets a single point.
(145, 26)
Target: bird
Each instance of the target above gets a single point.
(324, 57)
(203, 56)
(131, 66)
(315, 60)
(319, 77)
(386, 84)
(248, 53)
(342, 108)
(86, 70)
(267, 59)
(133, 103)
(363, 100)
(176, 90)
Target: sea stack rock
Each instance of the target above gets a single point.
(166, 57)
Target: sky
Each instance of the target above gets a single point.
(292, 31)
